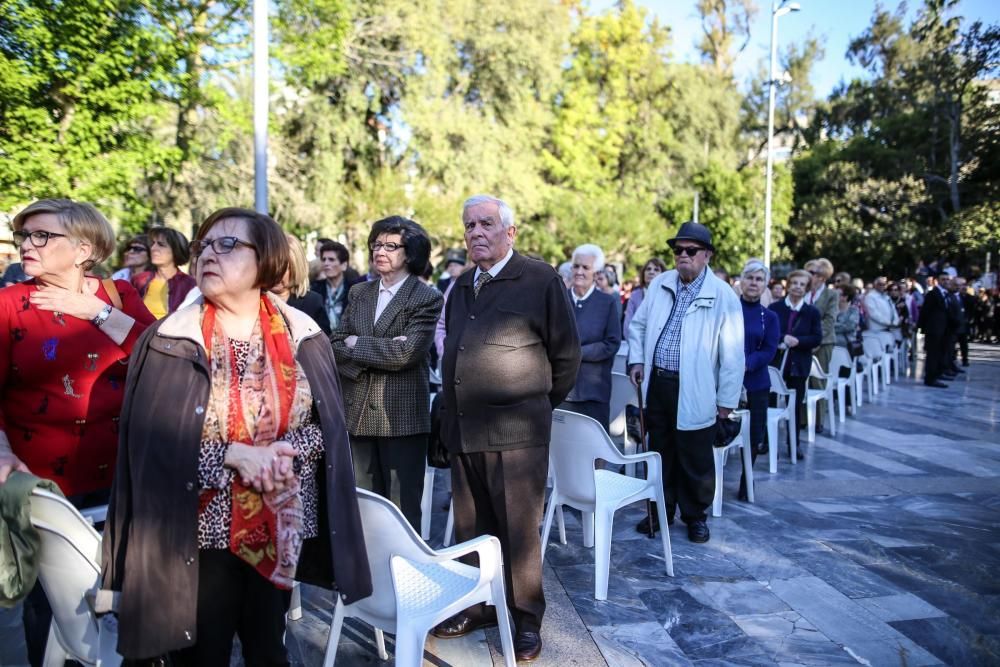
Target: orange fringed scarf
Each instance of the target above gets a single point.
(266, 529)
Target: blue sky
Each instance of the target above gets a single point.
(834, 22)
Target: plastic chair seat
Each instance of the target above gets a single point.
(423, 587)
(614, 488)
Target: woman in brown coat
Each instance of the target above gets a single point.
(234, 475)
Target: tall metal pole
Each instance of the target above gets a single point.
(770, 132)
(260, 102)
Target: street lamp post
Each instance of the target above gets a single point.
(778, 8)
(260, 102)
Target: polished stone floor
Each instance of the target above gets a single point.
(882, 547)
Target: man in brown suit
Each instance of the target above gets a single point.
(827, 301)
(510, 356)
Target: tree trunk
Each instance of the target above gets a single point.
(954, 144)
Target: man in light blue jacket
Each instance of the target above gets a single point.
(686, 351)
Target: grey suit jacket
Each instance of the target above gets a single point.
(828, 305)
(384, 380)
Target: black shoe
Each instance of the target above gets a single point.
(799, 453)
(936, 383)
(460, 625)
(527, 646)
(955, 370)
(762, 448)
(698, 531)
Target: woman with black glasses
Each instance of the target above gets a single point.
(381, 346)
(135, 258)
(67, 339)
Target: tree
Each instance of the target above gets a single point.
(725, 25)
(76, 99)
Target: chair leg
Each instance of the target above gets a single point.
(793, 437)
(295, 608)
(547, 523)
(333, 640)
(603, 520)
(630, 447)
(503, 619)
(810, 420)
(587, 519)
(426, 502)
(55, 654)
(720, 464)
(830, 414)
(449, 526)
(409, 645)
(661, 513)
(772, 450)
(380, 645)
(842, 403)
(561, 520)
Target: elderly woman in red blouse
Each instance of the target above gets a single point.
(62, 373)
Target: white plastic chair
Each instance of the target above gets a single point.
(416, 587)
(741, 442)
(622, 395)
(839, 360)
(427, 502)
(621, 357)
(577, 443)
(69, 568)
(814, 396)
(875, 351)
(866, 373)
(784, 412)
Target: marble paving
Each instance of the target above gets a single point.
(882, 547)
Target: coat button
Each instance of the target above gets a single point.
(318, 401)
(189, 561)
(199, 410)
(472, 317)
(168, 346)
(189, 486)
(461, 348)
(373, 406)
(187, 635)
(350, 401)
(461, 414)
(458, 380)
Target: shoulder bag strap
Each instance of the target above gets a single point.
(109, 287)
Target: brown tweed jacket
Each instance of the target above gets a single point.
(384, 380)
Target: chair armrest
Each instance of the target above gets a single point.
(487, 546)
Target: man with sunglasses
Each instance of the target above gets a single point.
(686, 352)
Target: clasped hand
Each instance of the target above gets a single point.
(266, 469)
(84, 305)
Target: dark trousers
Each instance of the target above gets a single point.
(233, 599)
(934, 351)
(963, 345)
(757, 403)
(598, 410)
(501, 494)
(799, 385)
(688, 461)
(36, 614)
(394, 469)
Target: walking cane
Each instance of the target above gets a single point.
(642, 448)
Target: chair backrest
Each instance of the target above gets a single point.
(577, 441)
(387, 534)
(69, 569)
(622, 395)
(618, 365)
(872, 347)
(777, 382)
(841, 359)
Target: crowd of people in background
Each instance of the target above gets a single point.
(225, 413)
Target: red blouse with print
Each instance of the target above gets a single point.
(61, 386)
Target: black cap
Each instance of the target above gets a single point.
(692, 231)
(454, 256)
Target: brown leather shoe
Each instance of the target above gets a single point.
(460, 625)
(527, 646)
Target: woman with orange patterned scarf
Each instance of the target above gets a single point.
(234, 477)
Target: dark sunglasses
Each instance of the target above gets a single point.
(38, 238)
(222, 245)
(688, 250)
(136, 248)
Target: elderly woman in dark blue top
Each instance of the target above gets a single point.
(760, 343)
(802, 331)
(600, 332)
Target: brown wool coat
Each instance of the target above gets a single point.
(511, 356)
(385, 382)
(150, 547)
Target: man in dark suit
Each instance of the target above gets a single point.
(934, 323)
(966, 306)
(510, 356)
(381, 348)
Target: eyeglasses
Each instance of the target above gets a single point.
(688, 250)
(815, 273)
(38, 238)
(221, 245)
(136, 248)
(388, 247)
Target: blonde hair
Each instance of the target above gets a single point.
(823, 265)
(298, 268)
(81, 221)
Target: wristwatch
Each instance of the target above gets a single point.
(102, 316)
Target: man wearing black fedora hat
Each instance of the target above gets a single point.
(686, 351)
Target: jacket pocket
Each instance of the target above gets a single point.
(511, 329)
(526, 421)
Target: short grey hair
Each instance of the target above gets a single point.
(591, 250)
(566, 270)
(755, 265)
(506, 212)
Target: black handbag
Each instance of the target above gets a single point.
(855, 348)
(437, 453)
(726, 431)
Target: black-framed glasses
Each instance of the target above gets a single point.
(221, 245)
(688, 250)
(388, 247)
(136, 248)
(39, 238)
